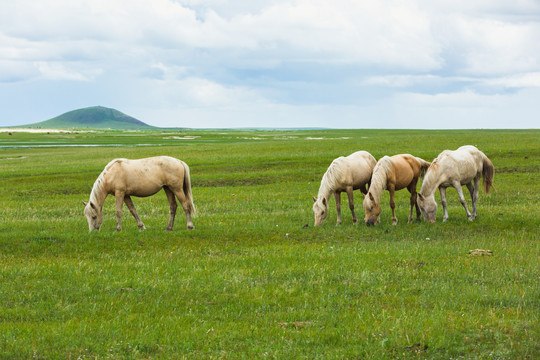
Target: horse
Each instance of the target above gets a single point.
(463, 166)
(344, 174)
(143, 177)
(393, 173)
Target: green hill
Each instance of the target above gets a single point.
(96, 117)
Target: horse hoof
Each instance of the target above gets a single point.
(190, 227)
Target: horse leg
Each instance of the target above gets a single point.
(442, 190)
(364, 189)
(473, 190)
(350, 194)
(459, 190)
(337, 197)
(179, 193)
(418, 212)
(392, 205)
(476, 191)
(172, 207)
(412, 190)
(131, 208)
(119, 196)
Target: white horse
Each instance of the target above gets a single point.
(392, 174)
(455, 168)
(344, 174)
(144, 177)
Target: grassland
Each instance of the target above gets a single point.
(252, 281)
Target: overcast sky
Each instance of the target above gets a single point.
(275, 63)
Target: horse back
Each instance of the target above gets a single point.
(144, 177)
(358, 169)
(405, 168)
(461, 165)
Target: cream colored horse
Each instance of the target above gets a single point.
(344, 174)
(144, 177)
(392, 174)
(455, 168)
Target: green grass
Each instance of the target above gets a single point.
(251, 281)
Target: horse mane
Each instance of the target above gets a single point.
(378, 179)
(98, 187)
(330, 178)
(431, 172)
(424, 166)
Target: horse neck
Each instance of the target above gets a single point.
(328, 182)
(99, 193)
(378, 181)
(325, 191)
(432, 180)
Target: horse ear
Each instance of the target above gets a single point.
(324, 201)
(84, 203)
(314, 199)
(363, 195)
(93, 206)
(371, 197)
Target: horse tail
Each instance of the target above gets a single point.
(424, 165)
(187, 189)
(488, 171)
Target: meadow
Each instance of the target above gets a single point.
(255, 279)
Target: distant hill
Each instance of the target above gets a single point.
(96, 117)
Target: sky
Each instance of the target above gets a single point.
(423, 64)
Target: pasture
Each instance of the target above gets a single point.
(252, 280)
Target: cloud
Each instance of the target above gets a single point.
(496, 47)
(384, 32)
(526, 80)
(63, 71)
(469, 109)
(388, 34)
(253, 59)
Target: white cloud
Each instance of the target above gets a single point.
(496, 47)
(385, 32)
(469, 109)
(296, 60)
(196, 92)
(516, 81)
(403, 81)
(62, 71)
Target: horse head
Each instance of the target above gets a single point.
(428, 207)
(93, 215)
(320, 210)
(372, 209)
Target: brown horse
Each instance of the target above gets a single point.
(393, 173)
(344, 174)
(144, 177)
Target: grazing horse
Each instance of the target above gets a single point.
(344, 174)
(455, 168)
(144, 177)
(393, 173)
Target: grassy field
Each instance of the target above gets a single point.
(252, 281)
